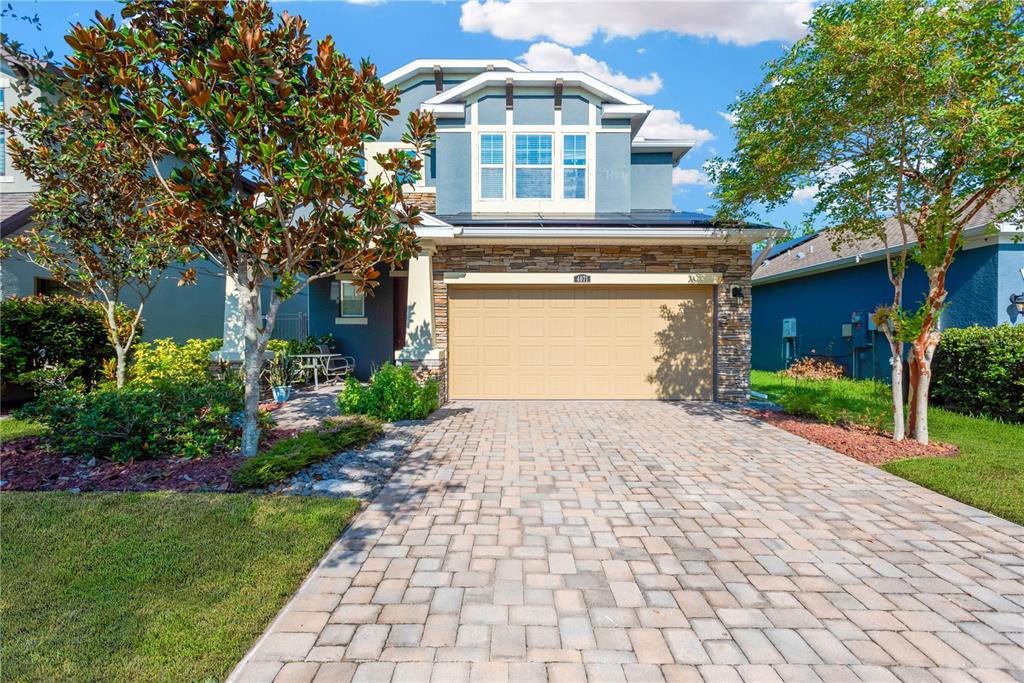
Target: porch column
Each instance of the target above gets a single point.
(234, 328)
(420, 333)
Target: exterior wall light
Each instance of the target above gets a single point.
(1018, 301)
(737, 292)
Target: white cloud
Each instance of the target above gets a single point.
(551, 57)
(731, 118)
(805, 194)
(667, 124)
(575, 23)
(689, 176)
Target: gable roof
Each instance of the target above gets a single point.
(462, 66)
(579, 79)
(822, 251)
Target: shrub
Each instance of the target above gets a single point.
(295, 346)
(289, 456)
(980, 371)
(393, 394)
(814, 368)
(165, 361)
(55, 330)
(140, 421)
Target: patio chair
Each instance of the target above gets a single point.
(335, 367)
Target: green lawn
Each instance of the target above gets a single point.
(988, 474)
(153, 587)
(13, 428)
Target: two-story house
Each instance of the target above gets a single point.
(553, 264)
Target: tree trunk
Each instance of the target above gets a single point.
(923, 352)
(896, 346)
(252, 364)
(122, 365)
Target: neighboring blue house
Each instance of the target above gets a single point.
(810, 299)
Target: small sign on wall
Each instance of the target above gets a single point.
(582, 278)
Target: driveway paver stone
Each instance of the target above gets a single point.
(645, 541)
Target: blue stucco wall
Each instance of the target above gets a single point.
(454, 173)
(1009, 281)
(612, 172)
(575, 110)
(413, 95)
(491, 110)
(536, 108)
(823, 302)
(651, 181)
(371, 344)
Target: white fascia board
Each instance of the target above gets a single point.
(611, 235)
(678, 148)
(624, 111)
(446, 111)
(457, 65)
(973, 238)
(569, 78)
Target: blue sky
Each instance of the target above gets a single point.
(688, 59)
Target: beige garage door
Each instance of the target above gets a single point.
(580, 342)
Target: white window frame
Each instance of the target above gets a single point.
(585, 167)
(481, 166)
(360, 297)
(516, 166)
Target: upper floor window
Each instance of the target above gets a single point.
(574, 167)
(492, 166)
(533, 166)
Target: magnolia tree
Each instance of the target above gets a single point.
(100, 222)
(906, 119)
(267, 138)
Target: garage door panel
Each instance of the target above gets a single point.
(580, 342)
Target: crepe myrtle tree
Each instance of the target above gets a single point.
(905, 118)
(100, 223)
(267, 139)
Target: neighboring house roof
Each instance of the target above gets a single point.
(15, 211)
(822, 251)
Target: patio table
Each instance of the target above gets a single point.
(315, 362)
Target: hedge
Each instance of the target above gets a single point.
(58, 330)
(980, 371)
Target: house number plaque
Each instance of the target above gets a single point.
(582, 278)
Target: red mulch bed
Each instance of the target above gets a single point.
(26, 465)
(857, 441)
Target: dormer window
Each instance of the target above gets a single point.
(533, 166)
(574, 166)
(492, 166)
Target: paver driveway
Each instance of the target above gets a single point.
(611, 541)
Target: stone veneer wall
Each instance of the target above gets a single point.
(732, 319)
(426, 201)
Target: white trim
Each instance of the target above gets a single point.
(678, 148)
(569, 79)
(5, 82)
(6, 179)
(599, 278)
(452, 65)
(608, 235)
(612, 110)
(350, 321)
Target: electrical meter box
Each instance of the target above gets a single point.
(788, 328)
(859, 329)
(847, 331)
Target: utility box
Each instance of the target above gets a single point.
(788, 328)
(847, 330)
(859, 329)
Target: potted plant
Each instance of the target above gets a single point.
(281, 374)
